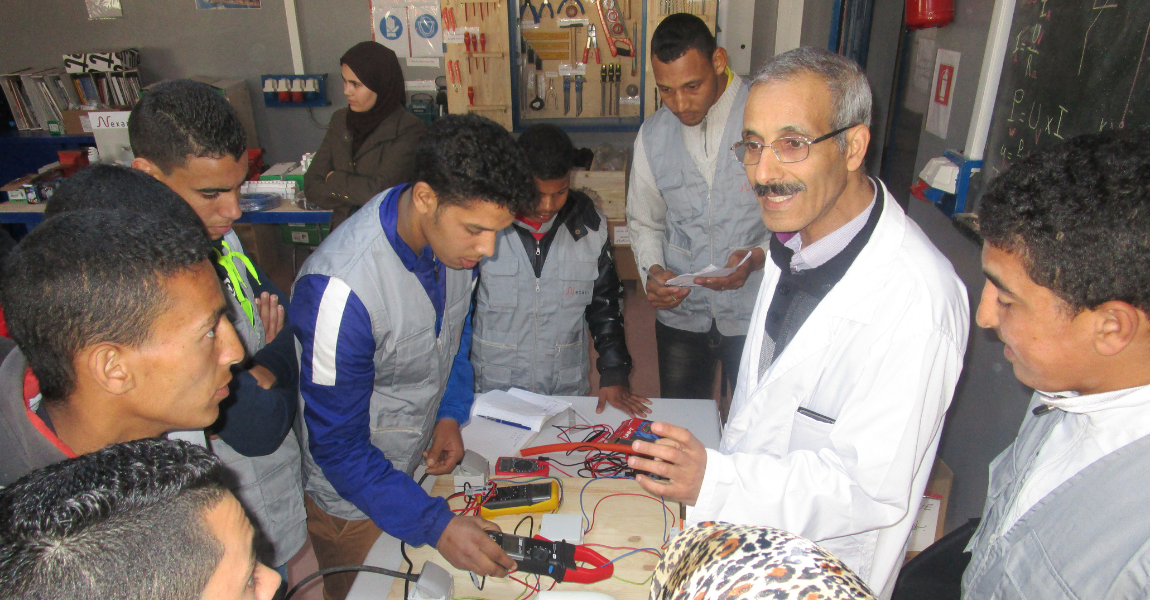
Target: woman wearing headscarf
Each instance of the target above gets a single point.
(721, 561)
(370, 145)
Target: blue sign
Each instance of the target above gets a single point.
(391, 27)
(426, 26)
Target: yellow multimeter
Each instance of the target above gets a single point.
(524, 498)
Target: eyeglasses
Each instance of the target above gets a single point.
(791, 149)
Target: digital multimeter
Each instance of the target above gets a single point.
(520, 467)
(525, 498)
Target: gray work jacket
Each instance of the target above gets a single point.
(530, 332)
(412, 364)
(269, 487)
(704, 225)
(1088, 539)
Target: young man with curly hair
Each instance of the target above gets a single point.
(380, 312)
(1066, 254)
(551, 281)
(144, 519)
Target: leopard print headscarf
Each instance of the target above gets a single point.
(720, 561)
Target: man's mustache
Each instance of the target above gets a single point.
(778, 188)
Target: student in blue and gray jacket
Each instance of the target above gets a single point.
(380, 313)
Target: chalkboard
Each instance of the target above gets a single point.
(1072, 67)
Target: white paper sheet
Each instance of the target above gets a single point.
(493, 440)
(518, 407)
(688, 280)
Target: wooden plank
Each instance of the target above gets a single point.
(489, 72)
(621, 521)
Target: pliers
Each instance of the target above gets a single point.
(534, 14)
(592, 42)
(546, 4)
(581, 11)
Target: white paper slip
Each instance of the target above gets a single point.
(688, 280)
(519, 408)
(493, 440)
(551, 405)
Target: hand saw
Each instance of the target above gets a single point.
(614, 28)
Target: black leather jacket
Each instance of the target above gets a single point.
(605, 313)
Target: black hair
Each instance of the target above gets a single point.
(182, 118)
(113, 186)
(679, 33)
(469, 157)
(549, 151)
(122, 523)
(91, 276)
(1078, 214)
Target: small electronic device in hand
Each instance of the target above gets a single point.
(520, 467)
(635, 429)
(558, 560)
(525, 498)
(540, 557)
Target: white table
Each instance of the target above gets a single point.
(701, 417)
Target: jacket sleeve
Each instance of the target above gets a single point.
(856, 474)
(460, 391)
(337, 375)
(314, 180)
(393, 165)
(646, 213)
(257, 420)
(278, 355)
(605, 321)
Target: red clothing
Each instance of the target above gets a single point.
(31, 390)
(538, 235)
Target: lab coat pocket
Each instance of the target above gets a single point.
(811, 431)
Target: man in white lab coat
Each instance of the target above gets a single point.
(854, 347)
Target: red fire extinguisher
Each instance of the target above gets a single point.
(921, 14)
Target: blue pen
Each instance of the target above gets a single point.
(517, 425)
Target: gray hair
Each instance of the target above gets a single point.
(850, 90)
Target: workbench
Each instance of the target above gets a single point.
(622, 521)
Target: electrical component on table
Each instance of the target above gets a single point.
(557, 560)
(520, 467)
(525, 498)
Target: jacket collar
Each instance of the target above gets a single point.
(874, 255)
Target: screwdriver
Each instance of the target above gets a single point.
(483, 46)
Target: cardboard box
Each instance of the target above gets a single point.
(236, 92)
(618, 232)
(610, 186)
(305, 234)
(930, 525)
(13, 191)
(277, 171)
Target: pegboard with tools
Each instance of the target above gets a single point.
(477, 61)
(578, 62)
(657, 10)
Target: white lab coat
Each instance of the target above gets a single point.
(880, 355)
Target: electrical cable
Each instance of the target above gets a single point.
(403, 549)
(346, 568)
(530, 528)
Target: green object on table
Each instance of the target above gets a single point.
(305, 234)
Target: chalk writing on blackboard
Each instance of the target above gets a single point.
(1072, 67)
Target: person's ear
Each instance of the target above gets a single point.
(148, 167)
(108, 367)
(719, 61)
(858, 138)
(1116, 325)
(424, 199)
